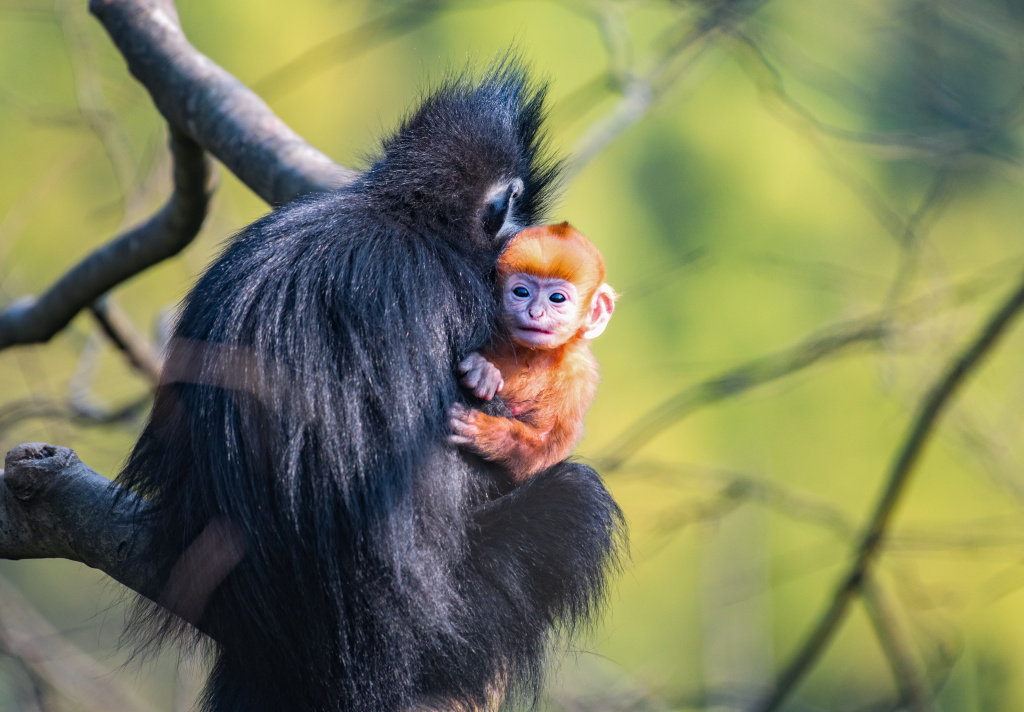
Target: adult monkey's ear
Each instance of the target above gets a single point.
(602, 304)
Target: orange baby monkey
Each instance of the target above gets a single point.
(554, 300)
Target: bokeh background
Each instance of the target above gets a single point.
(809, 210)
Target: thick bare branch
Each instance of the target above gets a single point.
(53, 506)
(35, 319)
(202, 100)
(208, 109)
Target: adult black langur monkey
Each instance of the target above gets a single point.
(302, 421)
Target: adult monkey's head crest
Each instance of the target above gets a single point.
(472, 159)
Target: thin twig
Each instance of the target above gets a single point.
(739, 486)
(907, 670)
(931, 145)
(913, 239)
(931, 408)
(344, 45)
(89, 95)
(641, 93)
(826, 343)
(54, 663)
(74, 410)
(140, 353)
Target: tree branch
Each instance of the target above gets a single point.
(852, 582)
(202, 100)
(208, 109)
(55, 663)
(75, 409)
(35, 319)
(142, 356)
(908, 672)
(826, 343)
(641, 93)
(53, 506)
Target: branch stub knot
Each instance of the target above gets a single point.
(32, 467)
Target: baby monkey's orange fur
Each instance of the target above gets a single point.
(554, 301)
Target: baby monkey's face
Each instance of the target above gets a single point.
(540, 312)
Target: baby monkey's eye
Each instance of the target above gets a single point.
(521, 292)
(557, 297)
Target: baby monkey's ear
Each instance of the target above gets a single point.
(602, 304)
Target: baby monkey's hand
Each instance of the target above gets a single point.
(464, 429)
(480, 376)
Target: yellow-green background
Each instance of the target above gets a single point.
(744, 210)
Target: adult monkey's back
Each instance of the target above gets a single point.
(299, 436)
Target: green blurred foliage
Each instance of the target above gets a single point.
(802, 165)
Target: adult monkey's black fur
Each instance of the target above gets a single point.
(302, 417)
